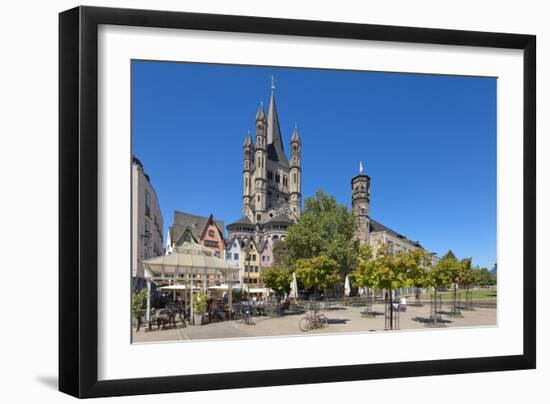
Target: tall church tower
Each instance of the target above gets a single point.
(360, 202)
(272, 182)
(296, 173)
(260, 175)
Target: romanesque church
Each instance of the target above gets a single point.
(272, 196)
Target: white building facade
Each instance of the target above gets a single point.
(147, 223)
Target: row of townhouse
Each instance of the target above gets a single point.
(250, 256)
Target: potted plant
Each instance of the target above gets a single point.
(139, 306)
(199, 307)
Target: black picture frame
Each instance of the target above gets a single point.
(78, 201)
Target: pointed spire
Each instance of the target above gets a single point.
(248, 140)
(295, 135)
(274, 131)
(260, 115)
(360, 167)
(275, 148)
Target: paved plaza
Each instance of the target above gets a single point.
(341, 319)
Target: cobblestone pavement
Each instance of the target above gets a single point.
(340, 320)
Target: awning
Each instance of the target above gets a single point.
(177, 287)
(190, 259)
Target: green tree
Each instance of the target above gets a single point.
(467, 275)
(277, 278)
(391, 271)
(325, 229)
(280, 254)
(440, 275)
(454, 269)
(449, 255)
(366, 273)
(317, 273)
(485, 277)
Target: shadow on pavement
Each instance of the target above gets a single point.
(371, 314)
(427, 320)
(338, 320)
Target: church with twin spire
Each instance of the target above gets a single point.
(272, 191)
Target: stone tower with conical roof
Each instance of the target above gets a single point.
(296, 172)
(360, 202)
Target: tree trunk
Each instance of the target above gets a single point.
(454, 298)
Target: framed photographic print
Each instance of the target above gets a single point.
(251, 201)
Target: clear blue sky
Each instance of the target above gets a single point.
(428, 143)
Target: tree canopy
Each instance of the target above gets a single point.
(277, 278)
(325, 229)
(485, 277)
(443, 273)
(467, 276)
(318, 272)
(449, 255)
(390, 271)
(366, 274)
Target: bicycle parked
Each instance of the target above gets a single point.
(246, 312)
(313, 320)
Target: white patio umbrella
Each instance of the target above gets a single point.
(294, 287)
(347, 288)
(361, 291)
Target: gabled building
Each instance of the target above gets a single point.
(202, 230)
(245, 253)
(198, 229)
(233, 253)
(251, 275)
(266, 253)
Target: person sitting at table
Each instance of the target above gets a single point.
(403, 304)
(215, 311)
(261, 307)
(285, 304)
